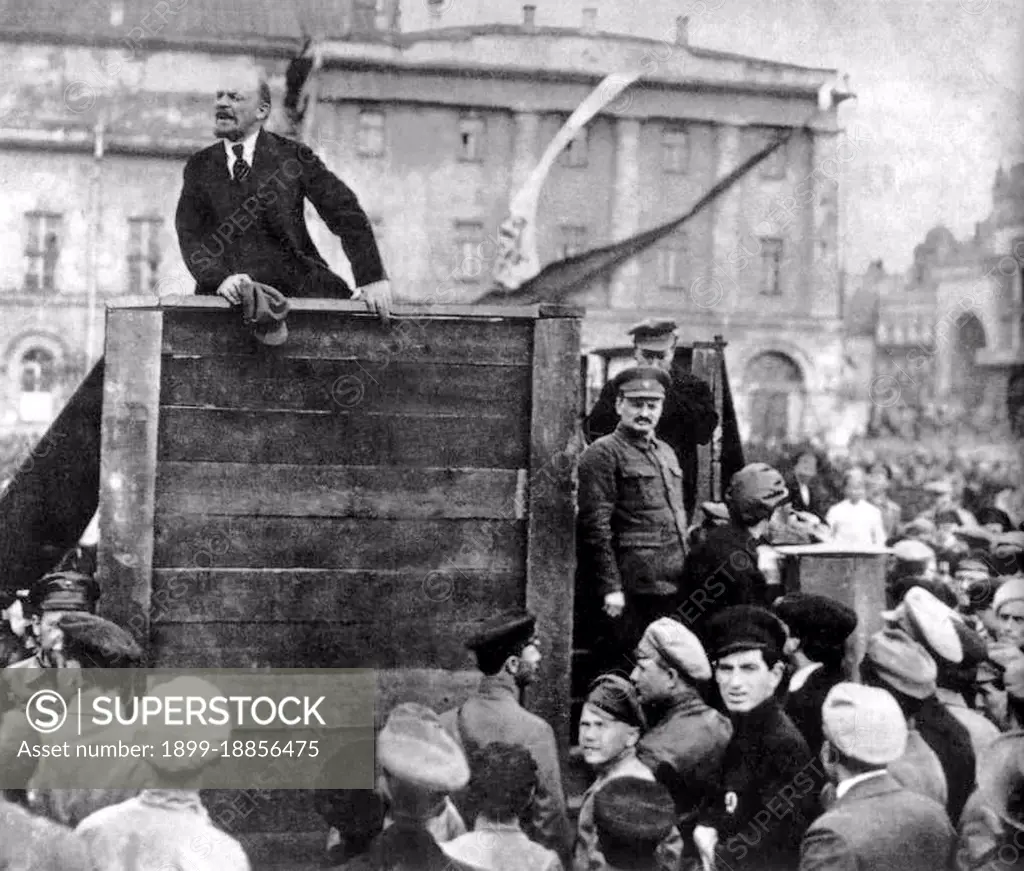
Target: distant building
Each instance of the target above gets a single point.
(949, 339)
(434, 131)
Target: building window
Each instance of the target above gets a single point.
(672, 261)
(143, 254)
(42, 250)
(371, 133)
(573, 241)
(37, 373)
(771, 267)
(774, 166)
(575, 153)
(471, 137)
(469, 266)
(675, 151)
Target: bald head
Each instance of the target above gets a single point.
(242, 103)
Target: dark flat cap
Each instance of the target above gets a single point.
(819, 618)
(102, 643)
(653, 334)
(65, 591)
(503, 632)
(994, 515)
(615, 696)
(630, 813)
(642, 381)
(744, 627)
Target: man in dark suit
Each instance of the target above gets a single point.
(240, 218)
(874, 823)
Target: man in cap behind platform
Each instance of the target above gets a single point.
(770, 780)
(96, 652)
(895, 662)
(508, 653)
(611, 723)
(723, 571)
(689, 417)
(686, 740)
(818, 630)
(875, 822)
(632, 525)
(421, 766)
(632, 818)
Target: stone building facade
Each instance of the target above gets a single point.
(434, 131)
(949, 338)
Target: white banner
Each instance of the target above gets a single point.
(517, 259)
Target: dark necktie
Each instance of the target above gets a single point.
(241, 170)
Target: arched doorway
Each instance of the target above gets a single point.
(775, 390)
(967, 381)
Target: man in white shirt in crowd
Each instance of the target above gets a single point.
(855, 521)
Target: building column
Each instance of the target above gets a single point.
(822, 286)
(524, 145)
(722, 282)
(625, 218)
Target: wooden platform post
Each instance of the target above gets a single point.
(708, 363)
(551, 549)
(131, 405)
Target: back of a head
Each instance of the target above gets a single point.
(503, 781)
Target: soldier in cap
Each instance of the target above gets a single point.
(686, 739)
(632, 817)
(52, 597)
(507, 651)
(818, 628)
(422, 765)
(875, 822)
(723, 571)
(689, 417)
(770, 780)
(632, 525)
(895, 662)
(611, 723)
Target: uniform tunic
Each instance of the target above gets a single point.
(684, 747)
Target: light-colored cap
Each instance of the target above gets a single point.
(864, 723)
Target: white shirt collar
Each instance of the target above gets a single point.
(248, 149)
(800, 676)
(848, 784)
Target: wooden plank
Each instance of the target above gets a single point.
(302, 542)
(288, 490)
(551, 554)
(219, 436)
(127, 467)
(707, 364)
(500, 342)
(306, 595)
(411, 642)
(267, 382)
(357, 310)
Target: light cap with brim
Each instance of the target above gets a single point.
(1010, 590)
(901, 663)
(414, 747)
(930, 622)
(864, 723)
(202, 729)
(677, 647)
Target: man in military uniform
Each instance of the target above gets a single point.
(686, 739)
(508, 653)
(632, 524)
(689, 417)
